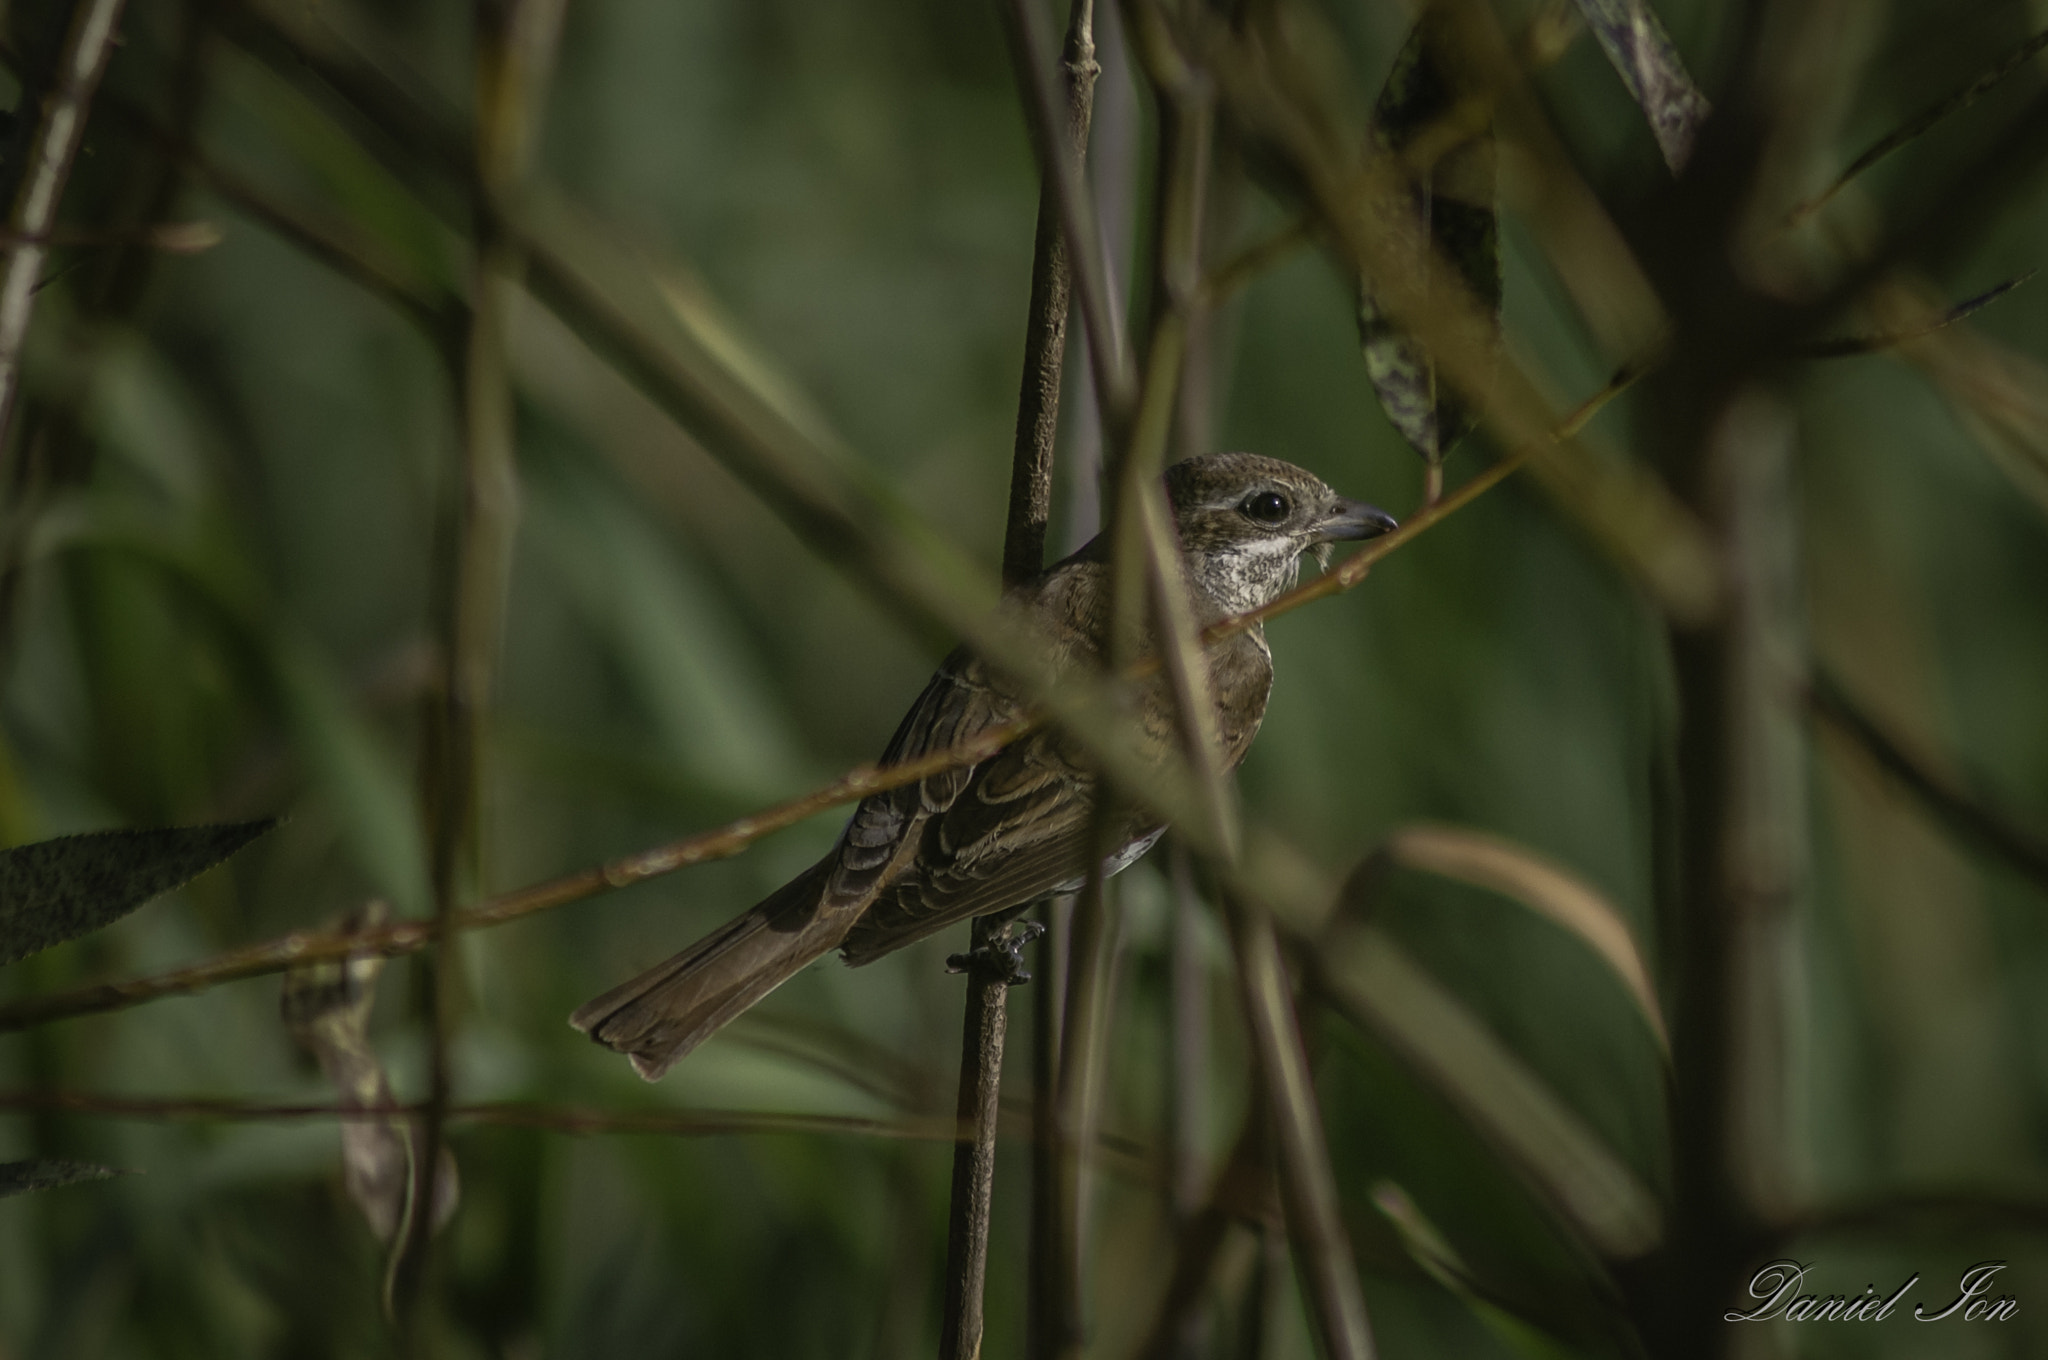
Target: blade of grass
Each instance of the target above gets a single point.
(1548, 890)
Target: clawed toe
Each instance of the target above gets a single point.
(1001, 959)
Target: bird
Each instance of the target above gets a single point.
(1019, 827)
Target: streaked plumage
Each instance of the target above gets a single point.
(1013, 829)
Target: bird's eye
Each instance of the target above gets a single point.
(1267, 507)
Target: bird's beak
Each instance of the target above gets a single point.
(1354, 519)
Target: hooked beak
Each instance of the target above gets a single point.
(1355, 519)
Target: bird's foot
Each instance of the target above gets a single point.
(1001, 959)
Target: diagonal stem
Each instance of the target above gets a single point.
(1322, 1249)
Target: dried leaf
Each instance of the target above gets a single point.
(53, 891)
(1514, 871)
(1641, 51)
(1375, 981)
(18, 1178)
(1441, 130)
(327, 1008)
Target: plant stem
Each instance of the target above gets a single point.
(986, 1022)
(1322, 1251)
(515, 41)
(88, 41)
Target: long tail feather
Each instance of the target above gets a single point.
(661, 1015)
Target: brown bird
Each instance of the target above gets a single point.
(1016, 828)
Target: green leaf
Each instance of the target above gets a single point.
(1441, 129)
(1641, 51)
(1380, 986)
(17, 1178)
(53, 891)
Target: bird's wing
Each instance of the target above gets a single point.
(957, 704)
(1019, 830)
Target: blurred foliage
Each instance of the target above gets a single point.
(224, 609)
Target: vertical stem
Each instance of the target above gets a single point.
(1112, 177)
(1741, 855)
(1108, 352)
(1047, 1147)
(1078, 1101)
(986, 1022)
(1045, 340)
(974, 1156)
(88, 41)
(1188, 1028)
(1322, 1251)
(515, 45)
(1766, 846)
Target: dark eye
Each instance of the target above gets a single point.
(1267, 507)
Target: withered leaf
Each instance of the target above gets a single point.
(1641, 52)
(327, 1007)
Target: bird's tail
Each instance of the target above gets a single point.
(661, 1015)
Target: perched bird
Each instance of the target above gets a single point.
(1016, 828)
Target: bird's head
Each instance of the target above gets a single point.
(1245, 522)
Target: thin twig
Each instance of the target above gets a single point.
(1130, 1157)
(516, 1114)
(986, 1020)
(88, 42)
(405, 937)
(173, 238)
(1222, 281)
